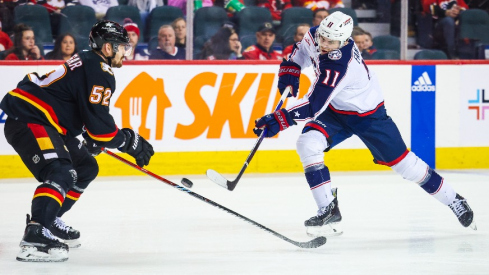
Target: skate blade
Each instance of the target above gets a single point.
(73, 243)
(31, 254)
(328, 230)
(473, 225)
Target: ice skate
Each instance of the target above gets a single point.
(463, 212)
(327, 221)
(68, 234)
(39, 245)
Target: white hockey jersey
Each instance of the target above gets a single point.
(342, 80)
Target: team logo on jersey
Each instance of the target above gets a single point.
(335, 55)
(106, 68)
(36, 159)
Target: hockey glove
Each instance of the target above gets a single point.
(274, 122)
(288, 75)
(137, 147)
(93, 149)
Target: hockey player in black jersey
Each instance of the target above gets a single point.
(45, 116)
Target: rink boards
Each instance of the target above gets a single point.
(200, 115)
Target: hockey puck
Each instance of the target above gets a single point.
(187, 183)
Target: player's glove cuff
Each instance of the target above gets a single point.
(288, 75)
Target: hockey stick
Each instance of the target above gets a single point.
(230, 185)
(317, 242)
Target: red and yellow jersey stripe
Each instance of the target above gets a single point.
(41, 136)
(48, 192)
(104, 137)
(41, 106)
(72, 195)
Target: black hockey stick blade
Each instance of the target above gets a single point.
(317, 242)
(230, 185)
(314, 243)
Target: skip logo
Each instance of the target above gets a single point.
(134, 103)
(423, 84)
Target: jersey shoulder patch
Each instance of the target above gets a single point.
(335, 55)
(106, 68)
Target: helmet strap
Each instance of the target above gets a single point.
(109, 58)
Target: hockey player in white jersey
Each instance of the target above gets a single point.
(346, 100)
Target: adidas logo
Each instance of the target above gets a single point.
(423, 84)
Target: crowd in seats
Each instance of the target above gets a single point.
(167, 48)
(224, 45)
(133, 32)
(364, 42)
(64, 48)
(262, 49)
(24, 47)
(239, 29)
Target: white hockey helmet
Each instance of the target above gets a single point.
(336, 26)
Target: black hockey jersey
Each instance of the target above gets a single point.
(73, 97)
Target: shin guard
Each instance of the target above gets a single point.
(320, 183)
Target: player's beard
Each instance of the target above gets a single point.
(116, 63)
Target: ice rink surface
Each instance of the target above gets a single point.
(138, 225)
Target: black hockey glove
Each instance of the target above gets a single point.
(288, 75)
(274, 122)
(137, 147)
(92, 148)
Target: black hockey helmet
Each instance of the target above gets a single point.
(106, 31)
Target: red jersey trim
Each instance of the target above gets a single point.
(41, 106)
(356, 113)
(48, 192)
(104, 137)
(394, 162)
(317, 127)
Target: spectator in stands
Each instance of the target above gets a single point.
(133, 33)
(224, 45)
(5, 42)
(25, 47)
(445, 14)
(275, 6)
(363, 40)
(55, 8)
(358, 35)
(368, 46)
(318, 16)
(319, 4)
(300, 31)
(180, 27)
(166, 45)
(100, 7)
(64, 48)
(262, 50)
